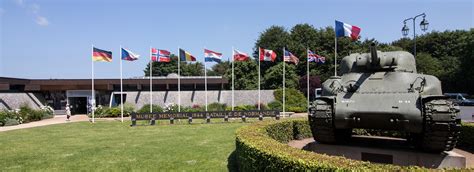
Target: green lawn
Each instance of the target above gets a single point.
(116, 146)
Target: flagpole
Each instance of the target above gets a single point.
(284, 64)
(307, 77)
(179, 80)
(205, 77)
(151, 81)
(121, 86)
(233, 84)
(258, 78)
(335, 55)
(92, 90)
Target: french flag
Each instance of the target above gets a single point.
(344, 29)
(210, 56)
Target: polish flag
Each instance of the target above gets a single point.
(267, 55)
(240, 56)
(344, 29)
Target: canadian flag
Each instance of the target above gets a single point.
(267, 55)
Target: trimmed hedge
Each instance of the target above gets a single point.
(466, 139)
(261, 147)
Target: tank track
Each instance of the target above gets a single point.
(321, 122)
(441, 129)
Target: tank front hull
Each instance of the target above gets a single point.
(387, 111)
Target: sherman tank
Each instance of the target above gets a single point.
(383, 91)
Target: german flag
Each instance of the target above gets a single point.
(101, 55)
(185, 56)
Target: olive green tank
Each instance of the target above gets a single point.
(382, 90)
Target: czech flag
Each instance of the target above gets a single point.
(267, 55)
(240, 56)
(101, 55)
(344, 29)
(185, 56)
(128, 55)
(212, 56)
(160, 55)
(289, 57)
(312, 57)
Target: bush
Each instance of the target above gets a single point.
(293, 98)
(146, 109)
(261, 147)
(216, 107)
(466, 139)
(10, 122)
(275, 105)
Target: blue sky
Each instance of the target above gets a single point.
(53, 38)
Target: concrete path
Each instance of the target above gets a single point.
(55, 120)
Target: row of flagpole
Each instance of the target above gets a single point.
(341, 30)
(260, 58)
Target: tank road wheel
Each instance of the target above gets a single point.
(440, 129)
(322, 126)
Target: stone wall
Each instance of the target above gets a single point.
(15, 100)
(189, 98)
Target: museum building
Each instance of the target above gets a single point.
(77, 92)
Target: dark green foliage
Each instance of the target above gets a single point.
(216, 106)
(245, 75)
(466, 139)
(275, 105)
(146, 109)
(187, 69)
(273, 77)
(261, 147)
(294, 100)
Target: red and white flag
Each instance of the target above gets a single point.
(240, 56)
(289, 57)
(267, 55)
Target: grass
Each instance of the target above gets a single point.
(115, 146)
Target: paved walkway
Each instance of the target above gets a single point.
(56, 120)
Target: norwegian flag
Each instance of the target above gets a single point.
(160, 55)
(289, 57)
(267, 55)
(312, 57)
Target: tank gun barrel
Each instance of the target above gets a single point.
(373, 54)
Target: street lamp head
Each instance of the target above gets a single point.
(424, 24)
(405, 30)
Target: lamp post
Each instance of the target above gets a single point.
(423, 25)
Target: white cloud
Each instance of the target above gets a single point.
(42, 21)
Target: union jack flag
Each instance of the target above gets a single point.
(312, 57)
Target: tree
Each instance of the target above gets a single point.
(273, 78)
(428, 65)
(274, 38)
(187, 68)
(314, 82)
(245, 75)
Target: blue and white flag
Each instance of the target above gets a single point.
(128, 55)
(211, 56)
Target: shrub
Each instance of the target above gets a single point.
(261, 147)
(275, 105)
(466, 139)
(146, 108)
(10, 122)
(216, 106)
(296, 109)
(293, 98)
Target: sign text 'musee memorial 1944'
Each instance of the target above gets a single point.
(203, 115)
